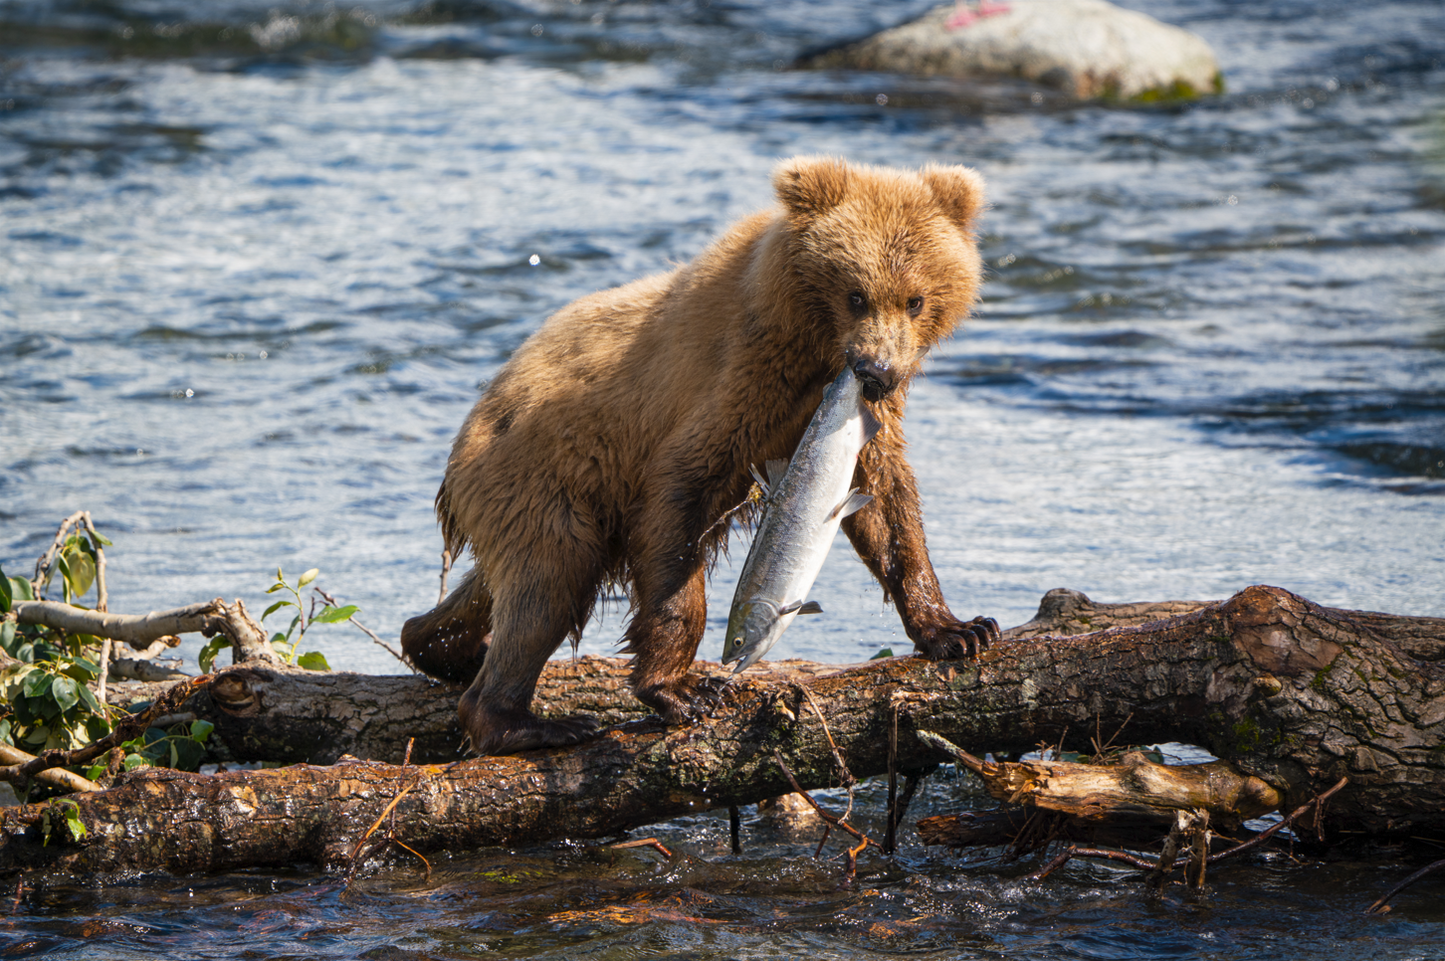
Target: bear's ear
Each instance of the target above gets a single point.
(958, 190)
(809, 186)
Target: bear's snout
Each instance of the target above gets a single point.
(878, 377)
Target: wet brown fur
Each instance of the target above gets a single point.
(609, 446)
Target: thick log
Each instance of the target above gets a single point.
(290, 715)
(275, 713)
(1294, 693)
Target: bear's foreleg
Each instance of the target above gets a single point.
(667, 626)
(888, 536)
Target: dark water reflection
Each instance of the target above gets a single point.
(256, 258)
(774, 900)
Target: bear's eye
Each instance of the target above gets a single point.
(915, 306)
(857, 301)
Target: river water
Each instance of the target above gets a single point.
(255, 261)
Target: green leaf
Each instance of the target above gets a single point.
(330, 615)
(20, 589)
(37, 683)
(186, 754)
(98, 536)
(5, 732)
(95, 772)
(4, 593)
(207, 657)
(276, 587)
(133, 761)
(200, 730)
(77, 670)
(79, 570)
(276, 607)
(885, 652)
(72, 819)
(97, 725)
(62, 564)
(63, 690)
(91, 703)
(7, 637)
(308, 577)
(313, 661)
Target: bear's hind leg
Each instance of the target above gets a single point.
(532, 616)
(450, 641)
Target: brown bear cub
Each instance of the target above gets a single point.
(613, 442)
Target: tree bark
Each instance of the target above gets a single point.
(1295, 694)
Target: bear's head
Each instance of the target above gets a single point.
(884, 260)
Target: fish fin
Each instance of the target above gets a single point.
(767, 491)
(790, 608)
(871, 424)
(811, 607)
(852, 503)
(776, 470)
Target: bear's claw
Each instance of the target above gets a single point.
(960, 639)
(686, 701)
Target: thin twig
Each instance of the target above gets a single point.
(446, 569)
(42, 565)
(101, 597)
(1058, 861)
(1167, 856)
(890, 833)
(910, 786)
(1265, 835)
(1075, 851)
(1381, 907)
(829, 820)
(653, 843)
(1099, 749)
(845, 775)
(425, 863)
(382, 817)
(103, 670)
(329, 599)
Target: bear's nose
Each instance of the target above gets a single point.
(878, 378)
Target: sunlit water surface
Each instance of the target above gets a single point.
(255, 262)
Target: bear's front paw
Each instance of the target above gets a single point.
(685, 701)
(958, 639)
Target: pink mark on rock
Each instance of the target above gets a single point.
(963, 15)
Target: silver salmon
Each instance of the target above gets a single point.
(805, 501)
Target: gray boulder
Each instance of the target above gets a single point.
(1087, 48)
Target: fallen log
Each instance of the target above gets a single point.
(269, 712)
(1295, 694)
